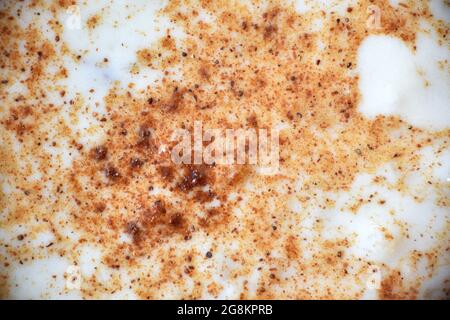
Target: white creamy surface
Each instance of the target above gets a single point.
(394, 80)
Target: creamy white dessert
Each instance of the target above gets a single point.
(92, 205)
